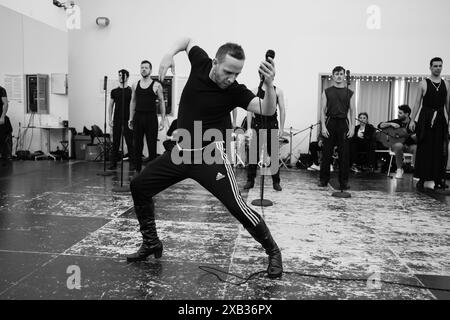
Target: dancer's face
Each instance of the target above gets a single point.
(125, 78)
(145, 70)
(339, 76)
(436, 68)
(225, 73)
(402, 115)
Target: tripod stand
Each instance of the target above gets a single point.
(291, 135)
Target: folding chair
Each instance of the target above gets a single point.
(406, 156)
(103, 141)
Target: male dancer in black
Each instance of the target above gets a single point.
(258, 122)
(337, 119)
(208, 97)
(121, 117)
(5, 126)
(432, 127)
(143, 114)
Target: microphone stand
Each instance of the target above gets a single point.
(105, 173)
(342, 193)
(261, 201)
(122, 188)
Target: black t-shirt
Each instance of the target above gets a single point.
(202, 100)
(338, 102)
(409, 141)
(2, 95)
(116, 95)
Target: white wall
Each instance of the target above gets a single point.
(309, 37)
(29, 47)
(40, 10)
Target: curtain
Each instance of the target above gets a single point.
(411, 92)
(375, 98)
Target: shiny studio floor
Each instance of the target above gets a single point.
(64, 235)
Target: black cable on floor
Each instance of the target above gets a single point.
(245, 280)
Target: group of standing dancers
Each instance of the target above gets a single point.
(431, 128)
(135, 110)
(208, 97)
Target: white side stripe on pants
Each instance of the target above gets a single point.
(244, 207)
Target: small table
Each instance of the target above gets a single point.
(64, 133)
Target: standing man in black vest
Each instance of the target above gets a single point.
(143, 114)
(5, 126)
(119, 106)
(337, 118)
(257, 122)
(432, 127)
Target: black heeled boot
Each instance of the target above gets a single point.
(262, 234)
(150, 241)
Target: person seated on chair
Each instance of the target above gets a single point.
(363, 140)
(409, 145)
(169, 143)
(5, 127)
(257, 122)
(315, 150)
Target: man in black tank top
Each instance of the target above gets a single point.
(432, 127)
(208, 97)
(119, 115)
(256, 122)
(337, 125)
(5, 127)
(143, 114)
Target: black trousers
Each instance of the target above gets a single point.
(6, 139)
(117, 134)
(251, 169)
(144, 124)
(337, 129)
(217, 178)
(430, 164)
(358, 145)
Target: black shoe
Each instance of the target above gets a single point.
(146, 250)
(250, 184)
(420, 185)
(277, 186)
(440, 186)
(323, 184)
